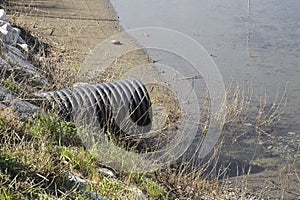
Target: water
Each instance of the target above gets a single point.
(255, 43)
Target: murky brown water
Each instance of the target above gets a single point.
(256, 43)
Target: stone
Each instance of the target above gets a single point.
(291, 133)
(22, 67)
(82, 184)
(5, 67)
(15, 52)
(3, 16)
(24, 108)
(8, 34)
(6, 96)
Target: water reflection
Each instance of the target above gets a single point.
(250, 55)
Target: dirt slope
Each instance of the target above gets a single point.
(77, 25)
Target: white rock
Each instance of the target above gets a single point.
(8, 35)
(24, 47)
(4, 28)
(3, 15)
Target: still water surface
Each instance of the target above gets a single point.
(255, 43)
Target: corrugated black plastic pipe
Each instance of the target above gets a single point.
(125, 104)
